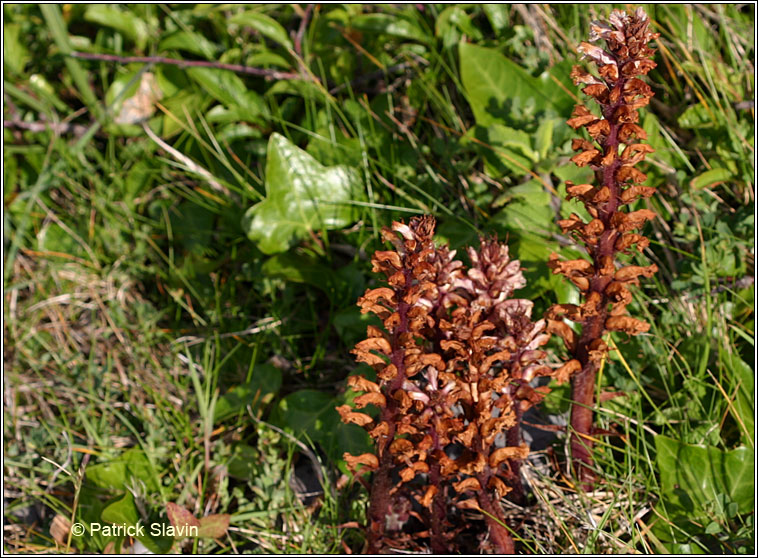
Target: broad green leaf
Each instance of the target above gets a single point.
(123, 21)
(527, 209)
(494, 84)
(267, 58)
(265, 25)
(301, 196)
(503, 148)
(391, 25)
(693, 477)
(124, 512)
(189, 42)
(311, 415)
(265, 383)
(741, 378)
(299, 268)
(228, 88)
(710, 177)
(117, 473)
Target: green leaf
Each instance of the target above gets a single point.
(497, 14)
(351, 324)
(391, 25)
(494, 85)
(124, 512)
(451, 23)
(15, 54)
(742, 379)
(299, 268)
(301, 196)
(544, 138)
(503, 148)
(697, 116)
(265, 25)
(115, 474)
(693, 477)
(311, 415)
(265, 383)
(528, 209)
(228, 88)
(242, 463)
(123, 21)
(189, 42)
(710, 178)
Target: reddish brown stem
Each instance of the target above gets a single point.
(499, 535)
(262, 72)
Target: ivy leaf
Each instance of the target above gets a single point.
(693, 476)
(302, 195)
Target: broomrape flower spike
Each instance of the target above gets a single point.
(613, 150)
(454, 361)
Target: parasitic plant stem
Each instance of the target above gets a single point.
(612, 154)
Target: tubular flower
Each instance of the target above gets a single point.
(454, 362)
(613, 150)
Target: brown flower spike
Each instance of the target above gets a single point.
(612, 151)
(454, 363)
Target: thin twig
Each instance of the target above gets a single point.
(57, 128)
(301, 30)
(239, 68)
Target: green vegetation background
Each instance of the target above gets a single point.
(177, 324)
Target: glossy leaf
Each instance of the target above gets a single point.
(494, 84)
(301, 196)
(693, 477)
